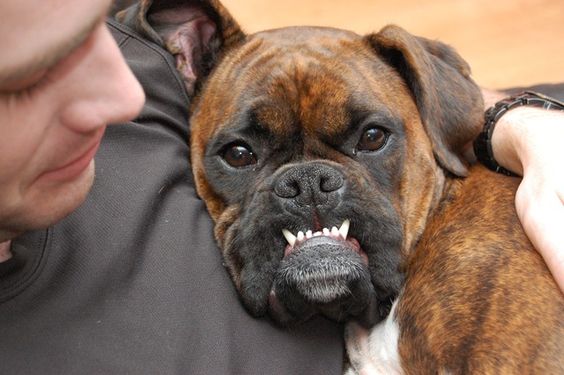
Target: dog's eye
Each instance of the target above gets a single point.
(238, 156)
(372, 139)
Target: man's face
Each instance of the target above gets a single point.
(62, 80)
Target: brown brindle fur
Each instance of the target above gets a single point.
(461, 309)
(478, 298)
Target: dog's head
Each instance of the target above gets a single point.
(318, 152)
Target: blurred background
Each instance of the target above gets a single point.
(507, 42)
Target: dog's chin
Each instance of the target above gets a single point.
(324, 276)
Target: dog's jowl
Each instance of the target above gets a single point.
(332, 166)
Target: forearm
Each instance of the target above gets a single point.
(522, 133)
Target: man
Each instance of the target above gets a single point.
(131, 282)
(61, 83)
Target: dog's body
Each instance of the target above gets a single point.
(477, 298)
(356, 142)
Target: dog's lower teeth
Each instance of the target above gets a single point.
(301, 236)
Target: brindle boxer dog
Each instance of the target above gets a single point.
(331, 164)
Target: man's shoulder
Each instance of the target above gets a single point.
(166, 99)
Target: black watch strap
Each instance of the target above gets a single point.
(483, 143)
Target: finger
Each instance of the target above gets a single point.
(543, 221)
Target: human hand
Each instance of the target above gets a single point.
(529, 142)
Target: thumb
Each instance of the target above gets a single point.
(541, 211)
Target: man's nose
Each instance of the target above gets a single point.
(127, 94)
(106, 91)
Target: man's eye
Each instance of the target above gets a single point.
(372, 139)
(239, 155)
(26, 84)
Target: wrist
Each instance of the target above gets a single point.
(519, 134)
(509, 138)
(512, 128)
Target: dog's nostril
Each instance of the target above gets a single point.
(309, 184)
(331, 183)
(287, 188)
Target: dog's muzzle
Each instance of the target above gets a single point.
(323, 271)
(323, 276)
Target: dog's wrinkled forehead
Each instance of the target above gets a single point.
(300, 79)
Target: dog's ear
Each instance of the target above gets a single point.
(449, 102)
(196, 32)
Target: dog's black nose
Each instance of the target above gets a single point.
(309, 184)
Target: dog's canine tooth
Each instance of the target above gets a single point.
(344, 229)
(289, 237)
(301, 236)
(309, 234)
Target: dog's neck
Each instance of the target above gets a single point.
(427, 206)
(440, 192)
(445, 188)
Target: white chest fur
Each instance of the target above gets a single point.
(374, 351)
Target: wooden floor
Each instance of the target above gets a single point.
(507, 42)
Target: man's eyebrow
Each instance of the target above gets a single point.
(53, 55)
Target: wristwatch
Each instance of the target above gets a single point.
(483, 143)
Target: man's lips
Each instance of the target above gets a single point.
(73, 168)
